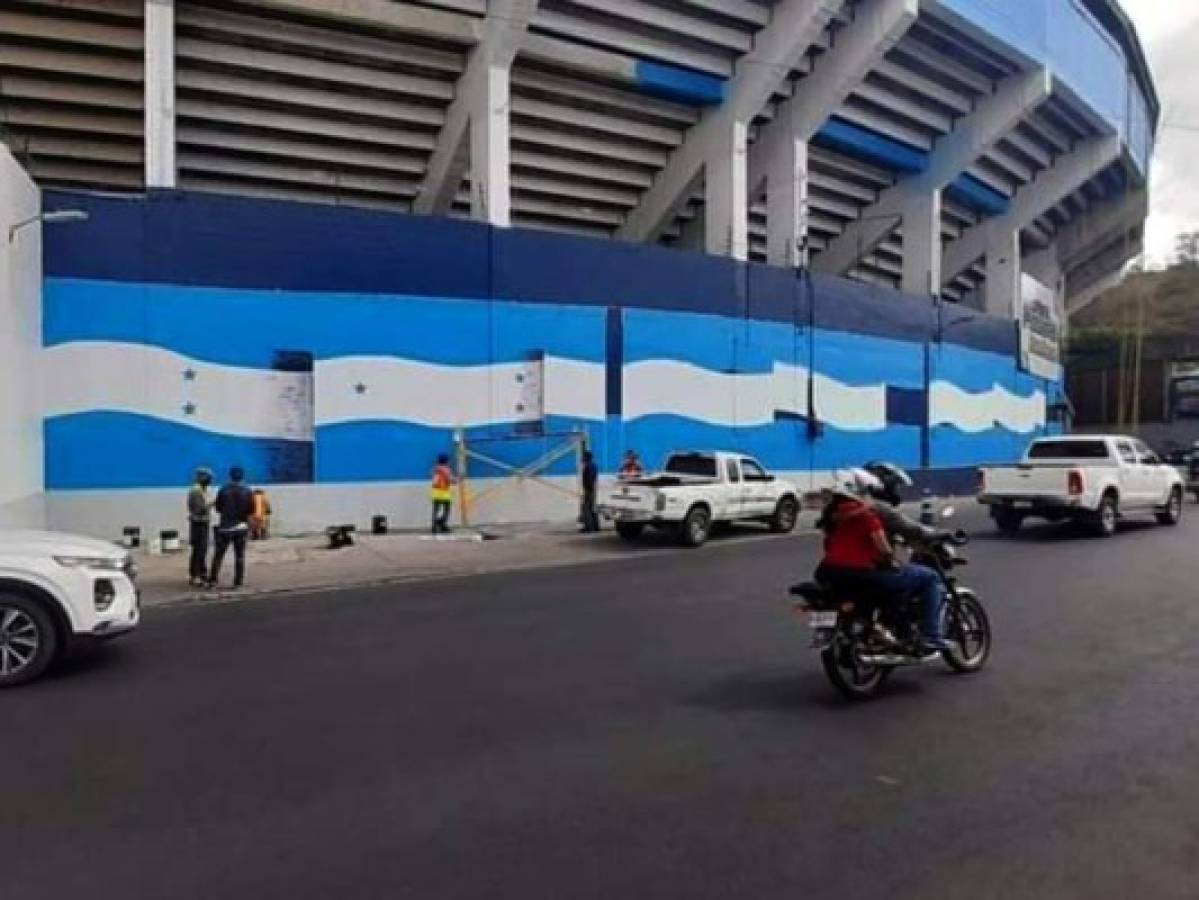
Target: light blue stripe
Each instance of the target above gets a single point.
(246, 327)
(978, 371)
(96, 450)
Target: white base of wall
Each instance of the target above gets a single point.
(25, 512)
(309, 508)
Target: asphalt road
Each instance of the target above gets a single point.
(648, 728)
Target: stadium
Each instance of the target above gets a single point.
(329, 240)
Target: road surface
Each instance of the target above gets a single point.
(651, 727)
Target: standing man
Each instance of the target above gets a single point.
(234, 504)
(199, 517)
(589, 477)
(441, 492)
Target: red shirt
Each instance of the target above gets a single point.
(850, 545)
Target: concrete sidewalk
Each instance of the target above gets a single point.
(305, 563)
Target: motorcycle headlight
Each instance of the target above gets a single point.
(103, 563)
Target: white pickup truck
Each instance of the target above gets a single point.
(1096, 479)
(58, 591)
(696, 490)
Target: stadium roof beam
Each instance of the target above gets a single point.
(1096, 226)
(717, 145)
(779, 158)
(161, 170)
(480, 110)
(998, 239)
(915, 202)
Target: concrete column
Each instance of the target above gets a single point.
(490, 186)
(922, 242)
(160, 94)
(787, 204)
(726, 192)
(1003, 274)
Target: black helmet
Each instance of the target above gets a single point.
(893, 480)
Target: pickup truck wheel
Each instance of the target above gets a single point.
(696, 526)
(629, 531)
(1171, 514)
(1107, 517)
(785, 515)
(1008, 521)
(28, 641)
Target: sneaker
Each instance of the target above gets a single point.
(930, 646)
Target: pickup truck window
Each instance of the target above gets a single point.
(1147, 456)
(696, 464)
(1068, 449)
(753, 472)
(1127, 454)
(731, 467)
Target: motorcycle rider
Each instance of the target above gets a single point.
(887, 493)
(858, 557)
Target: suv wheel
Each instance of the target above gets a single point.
(697, 526)
(1171, 513)
(785, 516)
(28, 641)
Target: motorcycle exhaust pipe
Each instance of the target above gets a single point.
(892, 660)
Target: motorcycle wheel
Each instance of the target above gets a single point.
(967, 626)
(855, 681)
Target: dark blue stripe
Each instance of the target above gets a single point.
(177, 238)
(613, 374)
(906, 406)
(683, 85)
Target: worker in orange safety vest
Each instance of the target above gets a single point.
(441, 492)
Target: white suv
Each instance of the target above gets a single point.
(57, 591)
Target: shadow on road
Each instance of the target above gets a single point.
(1061, 532)
(654, 539)
(790, 690)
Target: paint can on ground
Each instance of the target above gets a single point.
(131, 537)
(170, 541)
(379, 525)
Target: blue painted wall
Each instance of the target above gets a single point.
(201, 290)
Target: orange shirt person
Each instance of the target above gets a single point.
(441, 492)
(260, 515)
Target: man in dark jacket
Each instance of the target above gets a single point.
(590, 477)
(198, 520)
(234, 504)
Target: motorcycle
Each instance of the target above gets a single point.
(861, 644)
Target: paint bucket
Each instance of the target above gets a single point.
(170, 541)
(131, 537)
(379, 525)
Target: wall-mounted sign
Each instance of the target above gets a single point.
(1040, 330)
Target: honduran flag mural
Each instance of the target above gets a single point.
(308, 352)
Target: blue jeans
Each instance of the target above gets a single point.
(920, 581)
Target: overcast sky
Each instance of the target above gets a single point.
(1170, 31)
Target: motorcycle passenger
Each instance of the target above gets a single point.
(859, 559)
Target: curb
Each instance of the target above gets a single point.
(228, 597)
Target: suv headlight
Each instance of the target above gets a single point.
(103, 563)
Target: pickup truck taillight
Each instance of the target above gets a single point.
(1074, 485)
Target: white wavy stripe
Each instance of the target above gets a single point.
(87, 376)
(360, 388)
(976, 412)
(668, 387)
